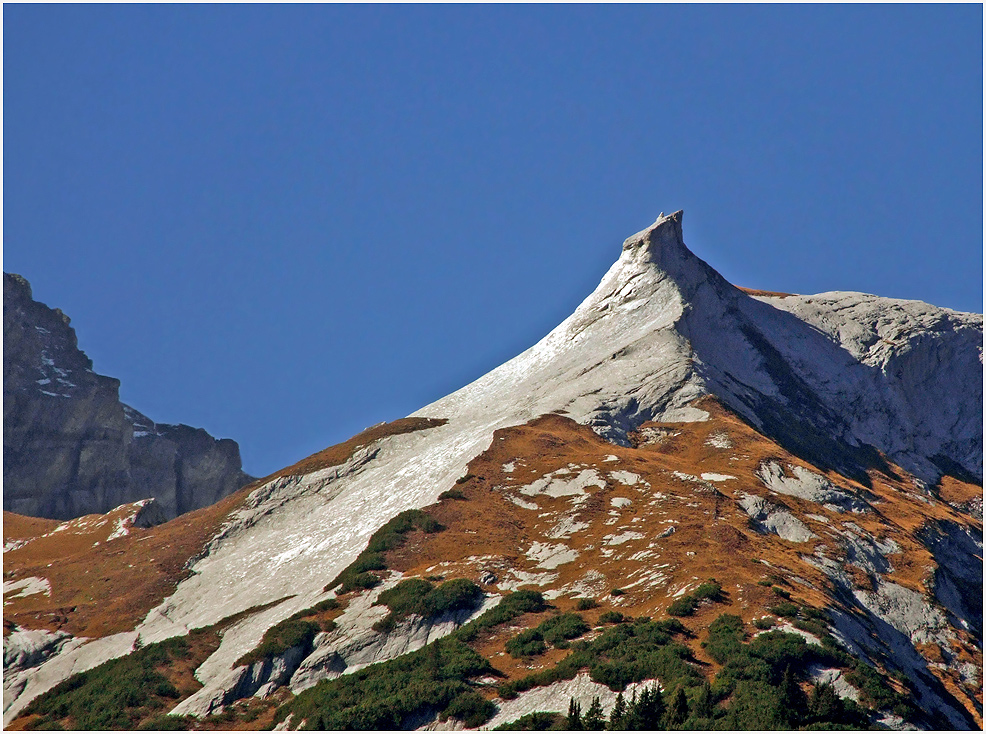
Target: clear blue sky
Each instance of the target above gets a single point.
(286, 223)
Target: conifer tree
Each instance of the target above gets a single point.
(793, 703)
(594, 719)
(617, 717)
(645, 713)
(677, 712)
(574, 721)
(704, 704)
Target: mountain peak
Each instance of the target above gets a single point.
(660, 251)
(664, 233)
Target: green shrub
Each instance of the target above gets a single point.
(417, 596)
(683, 607)
(783, 593)
(621, 655)
(584, 604)
(725, 638)
(452, 494)
(526, 644)
(763, 623)
(388, 695)
(686, 605)
(535, 721)
(326, 605)
(280, 638)
(617, 592)
(356, 576)
(784, 609)
(471, 709)
(118, 694)
(612, 617)
(166, 722)
(877, 692)
(555, 631)
(509, 608)
(465, 478)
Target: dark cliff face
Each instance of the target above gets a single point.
(70, 447)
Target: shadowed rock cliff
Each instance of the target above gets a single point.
(70, 447)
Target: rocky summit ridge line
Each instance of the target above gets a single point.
(855, 385)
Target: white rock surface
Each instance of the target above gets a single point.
(775, 520)
(354, 644)
(661, 329)
(555, 697)
(807, 485)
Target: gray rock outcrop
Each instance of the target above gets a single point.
(71, 448)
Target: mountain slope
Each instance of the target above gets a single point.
(71, 448)
(841, 435)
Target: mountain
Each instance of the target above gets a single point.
(767, 505)
(71, 448)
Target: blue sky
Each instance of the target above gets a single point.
(286, 223)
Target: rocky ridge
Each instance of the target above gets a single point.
(71, 447)
(819, 463)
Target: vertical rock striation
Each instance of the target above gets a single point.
(71, 448)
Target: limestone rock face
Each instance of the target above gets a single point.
(71, 448)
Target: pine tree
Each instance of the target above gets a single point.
(594, 719)
(617, 717)
(825, 704)
(677, 712)
(574, 722)
(793, 703)
(645, 713)
(704, 704)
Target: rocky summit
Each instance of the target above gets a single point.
(71, 448)
(689, 506)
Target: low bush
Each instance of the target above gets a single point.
(465, 478)
(584, 604)
(555, 631)
(357, 575)
(686, 605)
(280, 638)
(421, 597)
(119, 694)
(452, 494)
(877, 692)
(166, 722)
(536, 721)
(510, 607)
(612, 617)
(471, 709)
(389, 695)
(623, 654)
(785, 609)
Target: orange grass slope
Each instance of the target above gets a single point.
(647, 524)
(100, 580)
